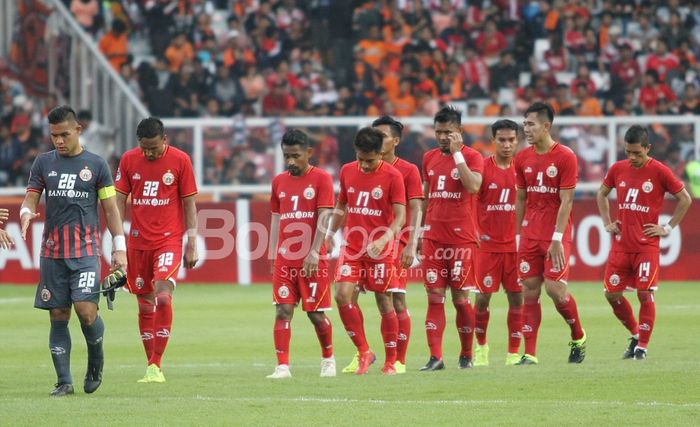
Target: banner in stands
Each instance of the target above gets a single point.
(233, 246)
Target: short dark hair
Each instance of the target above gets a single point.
(149, 128)
(448, 114)
(395, 125)
(543, 110)
(637, 135)
(653, 74)
(60, 114)
(368, 140)
(84, 115)
(296, 137)
(503, 124)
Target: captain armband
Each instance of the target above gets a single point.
(106, 192)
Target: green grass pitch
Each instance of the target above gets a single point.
(221, 350)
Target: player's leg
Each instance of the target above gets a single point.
(53, 294)
(315, 300)
(352, 366)
(481, 308)
(623, 311)
(464, 320)
(84, 280)
(347, 279)
(646, 281)
(404, 318)
(435, 280)
(566, 306)
(389, 329)
(139, 281)
(324, 332)
(515, 325)
(282, 334)
(532, 318)
(619, 274)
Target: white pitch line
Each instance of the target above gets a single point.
(15, 300)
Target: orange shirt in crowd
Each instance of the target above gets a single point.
(176, 56)
(492, 110)
(115, 48)
(404, 105)
(590, 107)
(373, 52)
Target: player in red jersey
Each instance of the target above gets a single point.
(301, 203)
(641, 183)
(497, 253)
(405, 247)
(546, 181)
(372, 202)
(161, 183)
(451, 179)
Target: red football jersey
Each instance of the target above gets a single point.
(496, 203)
(451, 208)
(414, 190)
(543, 176)
(640, 195)
(369, 199)
(296, 199)
(157, 189)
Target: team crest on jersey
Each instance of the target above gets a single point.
(552, 171)
(309, 193)
(45, 295)
(283, 292)
(614, 280)
(524, 267)
(139, 282)
(528, 169)
(345, 270)
(168, 178)
(377, 193)
(488, 281)
(493, 186)
(647, 187)
(85, 174)
(119, 175)
(431, 276)
(454, 173)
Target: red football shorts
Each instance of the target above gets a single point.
(533, 262)
(496, 268)
(369, 275)
(632, 271)
(289, 286)
(398, 285)
(148, 266)
(448, 265)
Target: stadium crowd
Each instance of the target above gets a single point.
(398, 57)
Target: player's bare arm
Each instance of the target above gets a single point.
(684, 201)
(556, 248)
(6, 241)
(604, 210)
(114, 224)
(375, 248)
(409, 252)
(335, 222)
(28, 211)
(311, 261)
(274, 237)
(520, 199)
(4, 215)
(470, 180)
(191, 256)
(121, 204)
(421, 223)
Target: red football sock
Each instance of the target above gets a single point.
(404, 335)
(515, 327)
(324, 332)
(147, 314)
(282, 334)
(163, 324)
(623, 311)
(390, 332)
(647, 314)
(435, 324)
(569, 312)
(532, 317)
(465, 321)
(352, 320)
(482, 323)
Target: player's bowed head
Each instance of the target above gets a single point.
(150, 133)
(296, 151)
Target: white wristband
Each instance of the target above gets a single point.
(119, 243)
(668, 228)
(556, 236)
(459, 158)
(24, 210)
